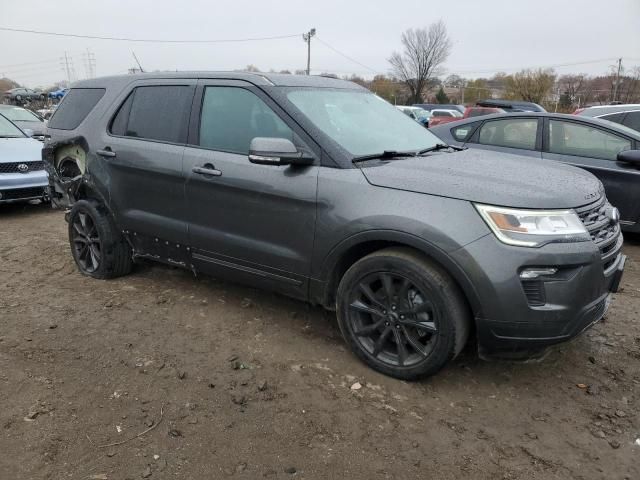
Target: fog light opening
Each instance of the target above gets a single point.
(531, 273)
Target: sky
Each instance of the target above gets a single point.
(353, 37)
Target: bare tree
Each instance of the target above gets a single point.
(573, 86)
(425, 50)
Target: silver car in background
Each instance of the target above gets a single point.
(22, 173)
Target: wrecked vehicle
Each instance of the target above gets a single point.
(316, 188)
(22, 173)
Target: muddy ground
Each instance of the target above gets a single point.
(215, 379)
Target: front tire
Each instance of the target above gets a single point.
(401, 314)
(98, 248)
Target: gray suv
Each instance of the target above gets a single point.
(316, 188)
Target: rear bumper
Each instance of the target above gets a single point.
(516, 320)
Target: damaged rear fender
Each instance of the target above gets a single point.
(69, 178)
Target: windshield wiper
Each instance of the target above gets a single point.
(383, 155)
(439, 146)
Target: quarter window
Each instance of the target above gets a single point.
(232, 117)
(75, 106)
(155, 113)
(511, 133)
(569, 138)
(463, 132)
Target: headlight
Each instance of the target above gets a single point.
(533, 228)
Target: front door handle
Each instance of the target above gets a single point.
(207, 169)
(106, 152)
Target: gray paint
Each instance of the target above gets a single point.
(290, 228)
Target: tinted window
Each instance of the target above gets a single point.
(512, 133)
(232, 117)
(583, 140)
(633, 120)
(119, 123)
(74, 108)
(160, 113)
(463, 132)
(613, 117)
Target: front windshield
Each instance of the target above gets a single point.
(8, 129)
(360, 122)
(19, 115)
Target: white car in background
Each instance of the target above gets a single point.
(22, 173)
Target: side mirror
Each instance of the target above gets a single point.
(28, 132)
(630, 156)
(276, 151)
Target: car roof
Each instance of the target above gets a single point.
(558, 116)
(261, 79)
(606, 109)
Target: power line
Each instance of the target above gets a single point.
(346, 56)
(498, 69)
(145, 40)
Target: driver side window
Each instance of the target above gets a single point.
(231, 117)
(568, 138)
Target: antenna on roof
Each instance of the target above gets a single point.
(137, 61)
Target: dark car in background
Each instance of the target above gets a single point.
(584, 142)
(627, 115)
(26, 120)
(317, 188)
(511, 105)
(21, 95)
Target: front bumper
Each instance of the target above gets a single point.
(19, 187)
(516, 320)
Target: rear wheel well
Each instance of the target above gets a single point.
(361, 250)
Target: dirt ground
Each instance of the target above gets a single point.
(199, 378)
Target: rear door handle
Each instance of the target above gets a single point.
(107, 152)
(207, 169)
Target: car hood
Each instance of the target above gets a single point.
(20, 150)
(488, 177)
(39, 128)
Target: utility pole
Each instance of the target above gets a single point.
(615, 88)
(90, 64)
(66, 67)
(307, 38)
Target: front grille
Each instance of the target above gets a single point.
(604, 232)
(12, 167)
(20, 193)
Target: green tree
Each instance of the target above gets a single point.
(475, 90)
(441, 97)
(530, 85)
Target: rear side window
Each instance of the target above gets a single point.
(511, 133)
(613, 117)
(75, 107)
(633, 120)
(155, 113)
